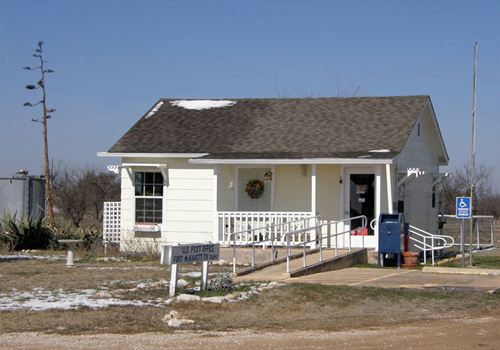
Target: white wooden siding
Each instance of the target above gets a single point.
(421, 152)
(189, 203)
(188, 214)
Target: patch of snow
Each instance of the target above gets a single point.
(192, 274)
(29, 257)
(202, 104)
(123, 268)
(154, 110)
(39, 300)
(379, 151)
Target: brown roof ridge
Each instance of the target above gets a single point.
(168, 99)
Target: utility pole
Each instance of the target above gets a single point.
(473, 153)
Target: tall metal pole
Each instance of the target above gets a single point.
(473, 152)
(462, 243)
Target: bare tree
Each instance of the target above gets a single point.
(79, 194)
(43, 120)
(459, 185)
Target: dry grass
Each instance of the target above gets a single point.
(293, 307)
(51, 275)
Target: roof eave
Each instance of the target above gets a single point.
(293, 161)
(150, 155)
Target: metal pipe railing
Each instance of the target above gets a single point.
(423, 245)
(253, 242)
(318, 228)
(478, 218)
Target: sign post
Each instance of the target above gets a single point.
(463, 210)
(188, 253)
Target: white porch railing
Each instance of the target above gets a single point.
(426, 241)
(251, 226)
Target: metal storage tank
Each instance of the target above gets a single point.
(22, 195)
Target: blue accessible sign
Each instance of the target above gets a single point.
(463, 208)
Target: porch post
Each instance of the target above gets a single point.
(389, 188)
(313, 189)
(313, 201)
(215, 234)
(378, 170)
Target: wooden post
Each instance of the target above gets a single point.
(173, 281)
(204, 276)
(215, 234)
(389, 188)
(313, 202)
(378, 171)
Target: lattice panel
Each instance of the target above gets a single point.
(111, 222)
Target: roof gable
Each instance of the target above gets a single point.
(277, 128)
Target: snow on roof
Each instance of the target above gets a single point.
(155, 109)
(202, 104)
(379, 151)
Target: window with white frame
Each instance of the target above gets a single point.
(148, 197)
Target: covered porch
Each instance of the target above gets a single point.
(298, 194)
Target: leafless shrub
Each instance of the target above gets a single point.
(487, 201)
(141, 249)
(79, 195)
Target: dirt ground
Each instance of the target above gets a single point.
(468, 333)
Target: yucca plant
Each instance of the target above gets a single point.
(27, 233)
(91, 237)
(6, 239)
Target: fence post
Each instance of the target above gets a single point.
(329, 234)
(287, 254)
(234, 253)
(253, 254)
(425, 250)
(336, 240)
(304, 254)
(349, 233)
(320, 247)
(492, 231)
(477, 233)
(432, 252)
(272, 245)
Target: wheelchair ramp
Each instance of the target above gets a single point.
(330, 262)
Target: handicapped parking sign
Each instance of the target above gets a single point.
(463, 208)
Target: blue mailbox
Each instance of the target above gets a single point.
(391, 235)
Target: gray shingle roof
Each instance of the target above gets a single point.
(278, 128)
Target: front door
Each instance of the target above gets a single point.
(360, 200)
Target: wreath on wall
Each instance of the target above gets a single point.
(255, 188)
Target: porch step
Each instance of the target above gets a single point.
(277, 272)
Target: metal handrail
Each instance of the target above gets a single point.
(271, 226)
(424, 246)
(253, 243)
(491, 218)
(474, 216)
(364, 221)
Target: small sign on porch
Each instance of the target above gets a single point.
(188, 253)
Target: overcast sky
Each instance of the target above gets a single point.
(114, 59)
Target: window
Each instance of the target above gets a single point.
(148, 197)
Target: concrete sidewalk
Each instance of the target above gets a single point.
(393, 278)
